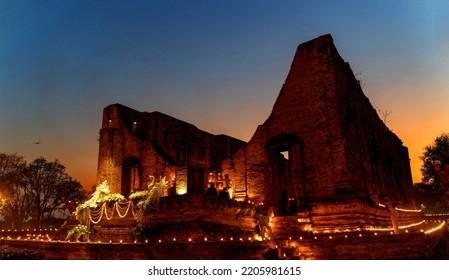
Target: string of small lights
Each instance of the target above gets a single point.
(435, 228)
(312, 236)
(95, 216)
(437, 215)
(401, 209)
(28, 229)
(391, 228)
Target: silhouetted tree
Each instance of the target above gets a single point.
(429, 193)
(50, 187)
(433, 156)
(14, 201)
(35, 191)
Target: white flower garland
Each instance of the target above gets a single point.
(95, 216)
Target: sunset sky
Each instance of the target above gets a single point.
(216, 64)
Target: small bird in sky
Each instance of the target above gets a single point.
(38, 142)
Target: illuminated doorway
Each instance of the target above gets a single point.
(285, 174)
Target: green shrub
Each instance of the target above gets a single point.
(76, 232)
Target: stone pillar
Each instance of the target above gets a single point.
(110, 158)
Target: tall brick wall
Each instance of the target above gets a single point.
(338, 147)
(379, 161)
(376, 158)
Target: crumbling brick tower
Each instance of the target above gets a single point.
(323, 144)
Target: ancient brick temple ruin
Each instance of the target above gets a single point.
(321, 178)
(322, 162)
(322, 143)
(135, 145)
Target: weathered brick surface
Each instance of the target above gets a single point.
(134, 145)
(339, 148)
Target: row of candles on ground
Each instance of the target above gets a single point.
(436, 215)
(40, 238)
(401, 209)
(316, 236)
(29, 237)
(23, 230)
(388, 229)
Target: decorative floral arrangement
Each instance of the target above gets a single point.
(139, 195)
(80, 210)
(146, 206)
(97, 196)
(113, 197)
(151, 201)
(76, 232)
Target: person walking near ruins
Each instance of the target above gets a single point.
(228, 185)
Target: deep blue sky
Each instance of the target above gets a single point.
(216, 64)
